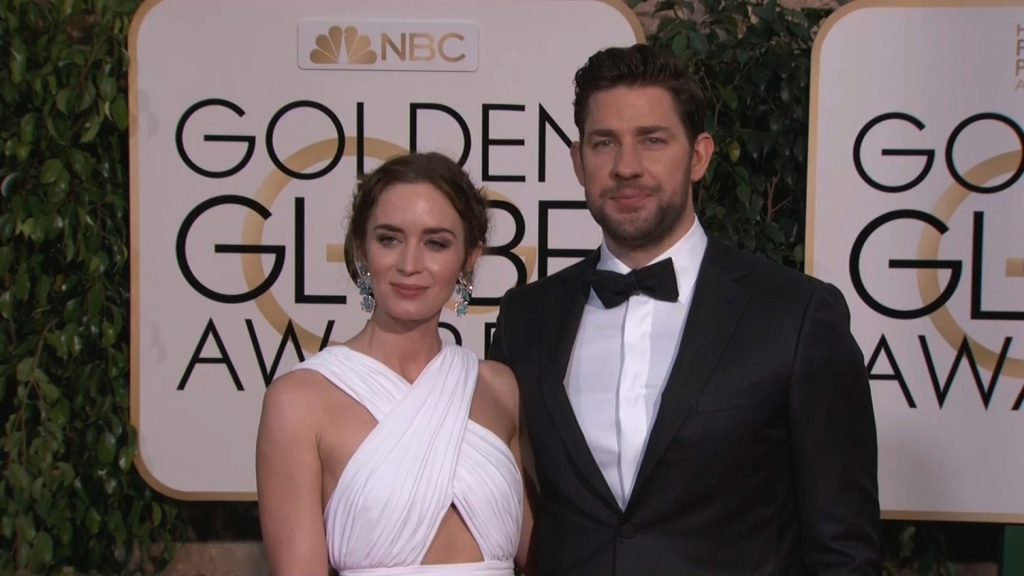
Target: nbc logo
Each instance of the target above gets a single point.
(388, 45)
(357, 47)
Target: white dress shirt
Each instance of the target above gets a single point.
(621, 362)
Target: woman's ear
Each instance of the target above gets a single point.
(472, 257)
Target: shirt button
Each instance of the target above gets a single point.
(627, 531)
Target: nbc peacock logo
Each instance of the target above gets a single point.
(379, 45)
(329, 46)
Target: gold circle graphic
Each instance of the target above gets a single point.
(271, 188)
(928, 249)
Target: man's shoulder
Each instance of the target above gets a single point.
(770, 276)
(549, 286)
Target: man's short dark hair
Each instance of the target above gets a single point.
(640, 65)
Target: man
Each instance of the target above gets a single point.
(708, 412)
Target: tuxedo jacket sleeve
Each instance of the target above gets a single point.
(833, 442)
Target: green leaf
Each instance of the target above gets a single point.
(7, 525)
(92, 128)
(756, 204)
(69, 250)
(698, 42)
(21, 151)
(63, 180)
(764, 13)
(730, 98)
(64, 97)
(25, 369)
(664, 5)
(108, 89)
(49, 392)
(6, 307)
(907, 541)
(18, 477)
(95, 301)
(23, 550)
(25, 527)
(115, 523)
(60, 415)
(115, 425)
(125, 457)
(21, 285)
(680, 43)
(157, 514)
(106, 449)
(28, 128)
(5, 259)
(43, 289)
(92, 521)
(743, 193)
(57, 342)
(19, 61)
(27, 228)
(119, 111)
(51, 169)
(110, 485)
(79, 162)
(88, 96)
(109, 334)
(9, 181)
(37, 488)
(734, 151)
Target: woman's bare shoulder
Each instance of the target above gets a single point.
(293, 399)
(501, 384)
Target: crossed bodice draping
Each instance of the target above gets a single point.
(423, 456)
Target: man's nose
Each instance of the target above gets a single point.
(628, 163)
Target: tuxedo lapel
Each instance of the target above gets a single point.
(562, 315)
(715, 308)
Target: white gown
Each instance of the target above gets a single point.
(423, 456)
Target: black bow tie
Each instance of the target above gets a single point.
(657, 280)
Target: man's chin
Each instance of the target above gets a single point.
(633, 238)
(637, 225)
(639, 233)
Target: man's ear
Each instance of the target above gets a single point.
(576, 152)
(703, 150)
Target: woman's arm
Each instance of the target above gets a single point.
(502, 381)
(288, 479)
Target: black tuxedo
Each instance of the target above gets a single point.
(763, 455)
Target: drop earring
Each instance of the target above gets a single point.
(365, 290)
(463, 293)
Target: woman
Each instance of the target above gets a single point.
(395, 453)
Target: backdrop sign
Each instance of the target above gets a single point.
(915, 213)
(250, 122)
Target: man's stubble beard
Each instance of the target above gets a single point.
(644, 229)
